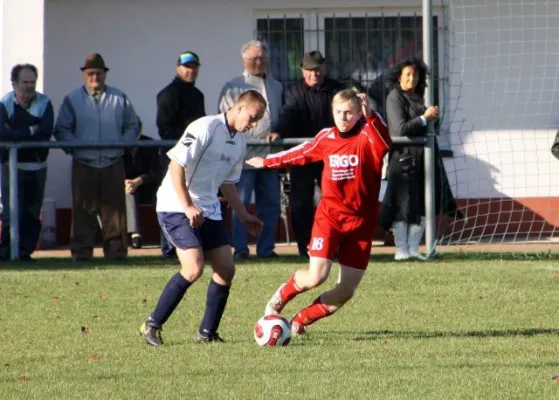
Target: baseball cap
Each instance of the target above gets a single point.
(188, 57)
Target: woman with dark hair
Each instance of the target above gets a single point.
(403, 207)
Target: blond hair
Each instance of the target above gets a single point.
(250, 97)
(347, 96)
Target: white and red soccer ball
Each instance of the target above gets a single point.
(272, 330)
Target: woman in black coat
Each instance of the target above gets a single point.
(403, 206)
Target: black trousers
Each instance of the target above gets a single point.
(302, 183)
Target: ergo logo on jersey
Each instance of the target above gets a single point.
(337, 161)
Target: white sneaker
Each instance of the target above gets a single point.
(276, 304)
(401, 255)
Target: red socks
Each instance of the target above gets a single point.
(317, 310)
(289, 290)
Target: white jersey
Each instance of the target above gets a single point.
(211, 156)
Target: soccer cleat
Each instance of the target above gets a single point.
(276, 304)
(151, 333)
(297, 329)
(212, 338)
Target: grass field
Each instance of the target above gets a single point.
(456, 328)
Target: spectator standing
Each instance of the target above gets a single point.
(178, 104)
(264, 184)
(307, 110)
(97, 113)
(403, 206)
(25, 116)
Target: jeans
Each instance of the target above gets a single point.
(31, 189)
(265, 184)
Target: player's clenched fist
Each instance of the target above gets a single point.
(254, 225)
(195, 216)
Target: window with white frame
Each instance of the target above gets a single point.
(359, 48)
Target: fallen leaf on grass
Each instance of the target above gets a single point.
(93, 357)
(56, 299)
(393, 288)
(24, 378)
(102, 296)
(96, 317)
(85, 329)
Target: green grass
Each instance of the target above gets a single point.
(456, 328)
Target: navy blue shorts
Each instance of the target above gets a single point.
(176, 228)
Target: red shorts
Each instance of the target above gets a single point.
(350, 237)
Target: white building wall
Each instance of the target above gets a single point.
(21, 38)
(499, 96)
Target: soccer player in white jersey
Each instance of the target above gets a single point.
(207, 158)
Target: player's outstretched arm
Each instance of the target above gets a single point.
(256, 162)
(253, 224)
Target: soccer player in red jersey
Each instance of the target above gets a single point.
(346, 217)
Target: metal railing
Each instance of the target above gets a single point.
(15, 146)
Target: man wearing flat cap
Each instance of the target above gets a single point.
(97, 113)
(178, 104)
(307, 110)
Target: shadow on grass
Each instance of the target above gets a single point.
(66, 263)
(387, 334)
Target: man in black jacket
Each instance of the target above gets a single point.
(25, 116)
(306, 111)
(178, 104)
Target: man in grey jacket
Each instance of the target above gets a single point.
(97, 113)
(264, 183)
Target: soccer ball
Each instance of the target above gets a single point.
(272, 330)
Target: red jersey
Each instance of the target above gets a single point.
(352, 166)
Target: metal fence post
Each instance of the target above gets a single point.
(14, 205)
(429, 152)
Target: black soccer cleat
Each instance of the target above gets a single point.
(211, 338)
(151, 333)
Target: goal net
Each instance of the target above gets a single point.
(500, 117)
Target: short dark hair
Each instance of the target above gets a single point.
(393, 78)
(19, 67)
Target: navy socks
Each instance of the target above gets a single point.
(215, 305)
(170, 298)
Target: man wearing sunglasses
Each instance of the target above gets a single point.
(97, 113)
